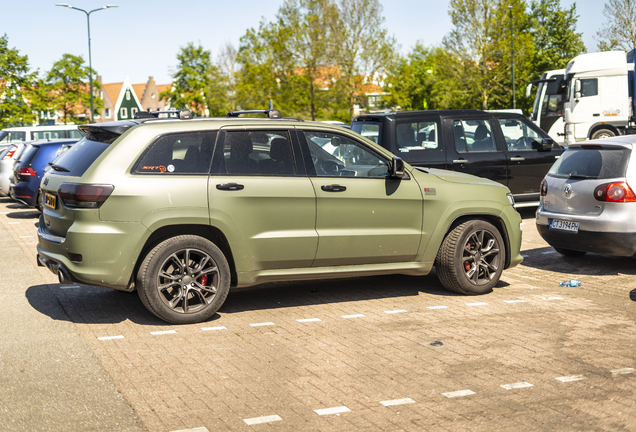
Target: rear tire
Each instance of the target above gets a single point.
(471, 258)
(603, 133)
(184, 280)
(569, 252)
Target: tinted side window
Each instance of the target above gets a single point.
(519, 135)
(179, 153)
(370, 130)
(339, 156)
(473, 136)
(418, 136)
(48, 134)
(258, 153)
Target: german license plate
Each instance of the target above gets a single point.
(49, 200)
(564, 225)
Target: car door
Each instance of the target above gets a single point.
(473, 148)
(263, 198)
(528, 160)
(362, 215)
(419, 142)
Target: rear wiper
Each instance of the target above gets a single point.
(60, 168)
(582, 177)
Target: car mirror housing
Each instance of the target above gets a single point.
(396, 170)
(546, 144)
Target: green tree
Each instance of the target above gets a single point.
(191, 82)
(619, 33)
(363, 44)
(555, 38)
(16, 87)
(69, 92)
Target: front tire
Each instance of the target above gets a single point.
(471, 258)
(184, 280)
(603, 133)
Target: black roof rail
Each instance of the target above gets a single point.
(271, 113)
(182, 114)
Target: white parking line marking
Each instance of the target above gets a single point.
(458, 393)
(552, 298)
(437, 307)
(525, 256)
(197, 429)
(335, 410)
(514, 301)
(353, 316)
(397, 402)
(570, 378)
(309, 320)
(68, 286)
(516, 385)
(26, 236)
(5, 212)
(262, 324)
(103, 338)
(213, 328)
(623, 371)
(477, 304)
(395, 311)
(163, 332)
(548, 252)
(264, 419)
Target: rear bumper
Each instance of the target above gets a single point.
(24, 195)
(605, 243)
(56, 267)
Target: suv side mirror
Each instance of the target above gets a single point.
(396, 170)
(546, 144)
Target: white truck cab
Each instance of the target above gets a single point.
(547, 112)
(597, 102)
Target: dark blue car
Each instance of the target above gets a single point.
(28, 172)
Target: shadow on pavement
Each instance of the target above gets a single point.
(95, 305)
(527, 212)
(27, 214)
(546, 258)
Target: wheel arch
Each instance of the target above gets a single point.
(598, 126)
(496, 221)
(210, 233)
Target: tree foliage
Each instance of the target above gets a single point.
(191, 82)
(619, 32)
(16, 86)
(67, 88)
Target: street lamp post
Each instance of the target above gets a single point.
(512, 60)
(90, 63)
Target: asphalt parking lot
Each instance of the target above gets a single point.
(379, 354)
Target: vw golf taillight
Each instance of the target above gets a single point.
(84, 196)
(543, 189)
(614, 192)
(10, 153)
(27, 172)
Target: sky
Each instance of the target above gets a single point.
(141, 38)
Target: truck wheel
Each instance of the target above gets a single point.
(471, 258)
(184, 280)
(569, 252)
(603, 133)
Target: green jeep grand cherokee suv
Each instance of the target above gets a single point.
(182, 209)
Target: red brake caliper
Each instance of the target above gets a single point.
(204, 280)
(466, 263)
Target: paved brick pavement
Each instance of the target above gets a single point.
(360, 354)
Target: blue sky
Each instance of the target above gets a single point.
(141, 38)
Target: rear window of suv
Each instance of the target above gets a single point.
(78, 158)
(592, 163)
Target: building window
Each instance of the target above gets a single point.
(127, 94)
(152, 96)
(101, 94)
(133, 111)
(123, 113)
(107, 112)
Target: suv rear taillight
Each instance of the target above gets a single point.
(84, 196)
(614, 192)
(10, 153)
(543, 189)
(27, 172)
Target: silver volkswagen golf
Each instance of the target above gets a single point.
(587, 199)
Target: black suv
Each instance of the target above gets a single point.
(502, 146)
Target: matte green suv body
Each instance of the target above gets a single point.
(183, 209)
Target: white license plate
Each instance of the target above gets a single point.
(564, 225)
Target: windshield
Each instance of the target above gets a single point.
(592, 163)
(537, 100)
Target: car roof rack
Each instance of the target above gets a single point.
(271, 113)
(182, 114)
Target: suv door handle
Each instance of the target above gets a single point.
(333, 188)
(517, 159)
(460, 161)
(230, 186)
